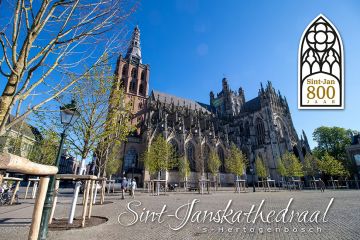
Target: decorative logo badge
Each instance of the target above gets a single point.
(321, 67)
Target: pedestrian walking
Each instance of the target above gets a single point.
(322, 185)
(124, 184)
(132, 188)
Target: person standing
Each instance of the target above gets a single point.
(124, 185)
(322, 185)
(132, 188)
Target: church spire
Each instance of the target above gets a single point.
(134, 50)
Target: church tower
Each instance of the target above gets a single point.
(133, 75)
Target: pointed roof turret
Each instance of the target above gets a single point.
(134, 50)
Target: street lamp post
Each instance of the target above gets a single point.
(69, 115)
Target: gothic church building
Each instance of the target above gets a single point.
(261, 126)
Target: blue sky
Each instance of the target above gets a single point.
(191, 45)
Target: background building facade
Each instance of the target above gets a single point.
(261, 126)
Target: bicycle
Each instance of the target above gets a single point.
(6, 195)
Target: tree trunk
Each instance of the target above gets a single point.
(2, 172)
(158, 185)
(6, 103)
(76, 193)
(237, 184)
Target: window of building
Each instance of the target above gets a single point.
(222, 159)
(132, 88)
(141, 89)
(124, 71)
(176, 150)
(206, 155)
(357, 159)
(130, 160)
(190, 154)
(143, 75)
(247, 129)
(260, 131)
(133, 73)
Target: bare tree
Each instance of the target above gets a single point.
(44, 44)
(105, 118)
(91, 95)
(116, 129)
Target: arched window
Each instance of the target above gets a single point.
(247, 129)
(176, 151)
(133, 73)
(206, 155)
(141, 89)
(124, 71)
(241, 128)
(175, 146)
(260, 131)
(143, 75)
(132, 86)
(131, 159)
(296, 151)
(222, 159)
(190, 154)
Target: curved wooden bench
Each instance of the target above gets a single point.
(13, 163)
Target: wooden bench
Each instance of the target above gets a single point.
(13, 163)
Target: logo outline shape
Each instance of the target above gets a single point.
(328, 48)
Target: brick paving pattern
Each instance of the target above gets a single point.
(343, 218)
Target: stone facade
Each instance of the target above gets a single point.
(261, 126)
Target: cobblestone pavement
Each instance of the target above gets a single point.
(343, 217)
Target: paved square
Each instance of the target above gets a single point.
(343, 217)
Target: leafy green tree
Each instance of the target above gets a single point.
(160, 156)
(310, 165)
(330, 166)
(91, 95)
(184, 167)
(236, 161)
(45, 150)
(113, 164)
(214, 163)
(281, 168)
(333, 140)
(261, 170)
(105, 118)
(292, 165)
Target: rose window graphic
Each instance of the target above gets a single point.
(321, 81)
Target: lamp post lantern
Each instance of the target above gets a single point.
(69, 115)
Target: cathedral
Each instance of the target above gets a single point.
(261, 126)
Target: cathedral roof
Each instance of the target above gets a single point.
(183, 102)
(253, 105)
